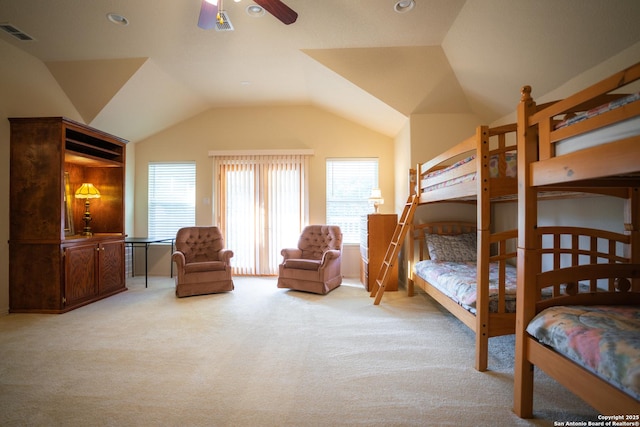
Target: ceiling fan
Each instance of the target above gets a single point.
(212, 14)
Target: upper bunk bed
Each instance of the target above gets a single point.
(583, 277)
(482, 170)
(589, 139)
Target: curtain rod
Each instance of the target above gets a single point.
(293, 152)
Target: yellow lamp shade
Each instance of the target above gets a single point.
(87, 191)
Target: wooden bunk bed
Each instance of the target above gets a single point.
(479, 170)
(588, 142)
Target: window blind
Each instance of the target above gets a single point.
(171, 198)
(262, 208)
(349, 185)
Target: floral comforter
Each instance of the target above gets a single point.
(603, 339)
(458, 281)
(511, 171)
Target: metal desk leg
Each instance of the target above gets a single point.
(146, 263)
(133, 264)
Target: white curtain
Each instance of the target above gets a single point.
(260, 207)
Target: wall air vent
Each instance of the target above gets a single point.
(226, 24)
(13, 31)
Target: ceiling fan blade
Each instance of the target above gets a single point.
(208, 15)
(280, 10)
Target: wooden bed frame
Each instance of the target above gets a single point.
(540, 170)
(483, 191)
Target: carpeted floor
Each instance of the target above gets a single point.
(259, 356)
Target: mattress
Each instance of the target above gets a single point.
(458, 281)
(511, 171)
(603, 339)
(599, 110)
(614, 132)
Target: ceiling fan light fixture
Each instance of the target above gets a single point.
(255, 11)
(117, 19)
(403, 6)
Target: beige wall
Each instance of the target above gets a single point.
(402, 153)
(259, 128)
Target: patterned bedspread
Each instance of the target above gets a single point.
(458, 281)
(599, 110)
(494, 171)
(603, 339)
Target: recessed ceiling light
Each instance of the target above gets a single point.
(117, 19)
(403, 6)
(255, 11)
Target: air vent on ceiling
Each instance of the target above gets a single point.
(225, 25)
(12, 30)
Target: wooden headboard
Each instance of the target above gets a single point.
(441, 227)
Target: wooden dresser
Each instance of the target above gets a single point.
(376, 231)
(53, 267)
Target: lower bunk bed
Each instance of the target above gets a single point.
(585, 324)
(448, 270)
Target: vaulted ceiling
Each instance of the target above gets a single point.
(357, 58)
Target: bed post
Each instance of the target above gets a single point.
(413, 190)
(527, 256)
(484, 247)
(632, 227)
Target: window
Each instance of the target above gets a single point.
(261, 207)
(349, 185)
(172, 198)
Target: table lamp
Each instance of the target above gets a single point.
(376, 198)
(87, 191)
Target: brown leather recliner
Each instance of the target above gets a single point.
(202, 264)
(314, 266)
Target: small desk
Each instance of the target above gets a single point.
(145, 242)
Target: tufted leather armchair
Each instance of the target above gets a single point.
(202, 264)
(314, 266)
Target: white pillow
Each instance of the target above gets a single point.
(453, 248)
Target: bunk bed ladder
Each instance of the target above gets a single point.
(391, 255)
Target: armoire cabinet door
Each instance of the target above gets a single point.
(80, 273)
(111, 267)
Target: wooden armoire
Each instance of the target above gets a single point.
(53, 267)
